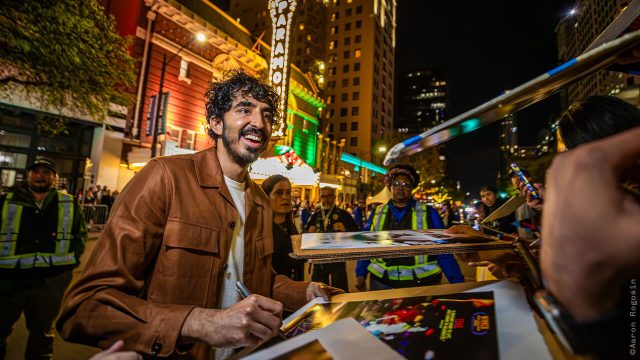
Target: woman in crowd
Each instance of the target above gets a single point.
(278, 188)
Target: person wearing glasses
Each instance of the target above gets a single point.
(330, 218)
(278, 188)
(402, 212)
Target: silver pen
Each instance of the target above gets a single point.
(245, 293)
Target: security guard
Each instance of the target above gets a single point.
(42, 236)
(402, 212)
(329, 218)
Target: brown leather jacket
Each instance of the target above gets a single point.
(163, 252)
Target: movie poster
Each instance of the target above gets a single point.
(423, 327)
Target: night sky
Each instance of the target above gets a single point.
(484, 47)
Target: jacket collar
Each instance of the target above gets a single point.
(24, 196)
(209, 174)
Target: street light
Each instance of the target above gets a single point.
(200, 37)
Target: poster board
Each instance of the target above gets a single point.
(518, 333)
(506, 209)
(452, 326)
(337, 247)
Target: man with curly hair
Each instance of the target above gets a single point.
(181, 234)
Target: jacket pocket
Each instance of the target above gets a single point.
(193, 237)
(264, 245)
(258, 273)
(186, 263)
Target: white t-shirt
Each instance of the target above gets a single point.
(235, 262)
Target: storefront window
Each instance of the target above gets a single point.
(14, 139)
(55, 145)
(13, 160)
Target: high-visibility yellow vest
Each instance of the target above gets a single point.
(11, 216)
(422, 267)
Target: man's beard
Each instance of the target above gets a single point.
(252, 155)
(39, 189)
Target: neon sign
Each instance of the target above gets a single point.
(281, 16)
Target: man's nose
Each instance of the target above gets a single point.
(258, 120)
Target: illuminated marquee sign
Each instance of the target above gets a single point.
(281, 16)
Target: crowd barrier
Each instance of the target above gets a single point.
(95, 216)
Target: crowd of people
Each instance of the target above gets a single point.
(187, 229)
(99, 195)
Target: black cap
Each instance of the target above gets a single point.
(44, 162)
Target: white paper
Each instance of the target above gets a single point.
(344, 340)
(506, 209)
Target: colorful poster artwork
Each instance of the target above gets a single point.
(456, 326)
(381, 239)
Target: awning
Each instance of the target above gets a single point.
(380, 198)
(299, 174)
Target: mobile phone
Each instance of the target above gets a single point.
(517, 171)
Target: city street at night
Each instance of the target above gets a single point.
(319, 179)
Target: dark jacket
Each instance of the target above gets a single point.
(446, 262)
(284, 264)
(38, 231)
(335, 215)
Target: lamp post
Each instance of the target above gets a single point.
(154, 143)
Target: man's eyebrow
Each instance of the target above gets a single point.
(245, 103)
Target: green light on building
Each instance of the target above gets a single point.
(304, 139)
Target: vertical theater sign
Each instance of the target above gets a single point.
(281, 17)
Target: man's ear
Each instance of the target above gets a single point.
(216, 125)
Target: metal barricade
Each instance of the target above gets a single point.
(95, 216)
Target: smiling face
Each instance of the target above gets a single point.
(245, 129)
(281, 197)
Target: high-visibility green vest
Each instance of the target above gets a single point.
(422, 267)
(11, 216)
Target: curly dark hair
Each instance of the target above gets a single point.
(219, 96)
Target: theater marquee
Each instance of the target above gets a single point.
(281, 17)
